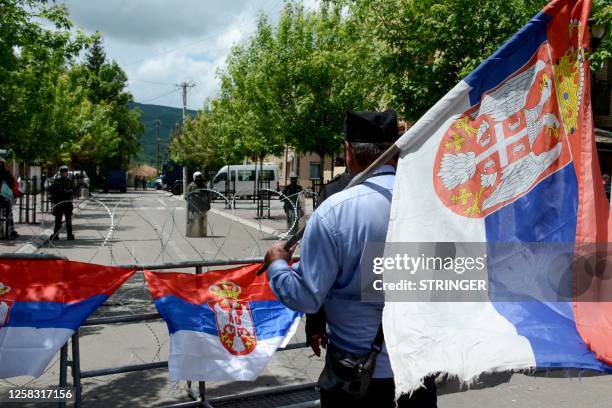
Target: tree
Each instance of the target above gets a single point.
(427, 46)
(32, 58)
(321, 52)
(247, 89)
(104, 84)
(602, 15)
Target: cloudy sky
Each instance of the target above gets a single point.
(160, 43)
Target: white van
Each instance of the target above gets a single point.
(244, 178)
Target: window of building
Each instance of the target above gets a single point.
(315, 170)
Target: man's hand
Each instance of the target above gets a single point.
(316, 341)
(277, 251)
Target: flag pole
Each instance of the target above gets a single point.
(382, 159)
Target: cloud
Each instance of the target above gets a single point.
(160, 43)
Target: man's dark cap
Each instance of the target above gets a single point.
(370, 127)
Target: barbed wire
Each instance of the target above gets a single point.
(106, 216)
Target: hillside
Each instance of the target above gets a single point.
(169, 117)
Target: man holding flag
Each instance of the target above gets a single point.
(357, 369)
(506, 157)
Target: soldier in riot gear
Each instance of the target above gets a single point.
(291, 204)
(61, 192)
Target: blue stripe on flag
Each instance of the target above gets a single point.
(551, 331)
(53, 314)
(547, 214)
(509, 58)
(271, 318)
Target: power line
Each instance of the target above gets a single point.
(150, 82)
(159, 96)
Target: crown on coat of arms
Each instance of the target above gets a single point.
(4, 289)
(226, 290)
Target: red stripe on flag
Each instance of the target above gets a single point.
(37, 280)
(195, 288)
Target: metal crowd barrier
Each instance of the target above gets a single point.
(5, 218)
(263, 199)
(27, 202)
(198, 398)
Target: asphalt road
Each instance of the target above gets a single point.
(149, 227)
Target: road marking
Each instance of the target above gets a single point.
(162, 202)
(248, 223)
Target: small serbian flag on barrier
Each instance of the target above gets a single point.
(508, 156)
(42, 304)
(224, 325)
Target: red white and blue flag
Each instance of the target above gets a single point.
(42, 304)
(224, 325)
(508, 155)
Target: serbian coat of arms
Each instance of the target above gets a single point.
(234, 319)
(517, 135)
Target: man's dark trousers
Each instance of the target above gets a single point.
(62, 210)
(381, 394)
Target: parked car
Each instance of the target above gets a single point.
(156, 183)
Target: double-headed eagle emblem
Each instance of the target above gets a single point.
(234, 320)
(489, 156)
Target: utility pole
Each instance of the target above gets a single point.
(157, 125)
(184, 86)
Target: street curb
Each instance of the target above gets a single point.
(248, 223)
(252, 224)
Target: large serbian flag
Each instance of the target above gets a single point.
(42, 304)
(224, 325)
(508, 155)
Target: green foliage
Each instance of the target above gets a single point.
(288, 85)
(602, 16)
(292, 83)
(168, 117)
(426, 47)
(52, 108)
(32, 59)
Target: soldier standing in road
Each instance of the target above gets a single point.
(198, 205)
(61, 192)
(357, 371)
(291, 204)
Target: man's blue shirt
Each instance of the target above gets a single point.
(328, 273)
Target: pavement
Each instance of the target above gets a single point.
(149, 227)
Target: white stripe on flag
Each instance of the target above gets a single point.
(200, 356)
(463, 339)
(27, 350)
(454, 102)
